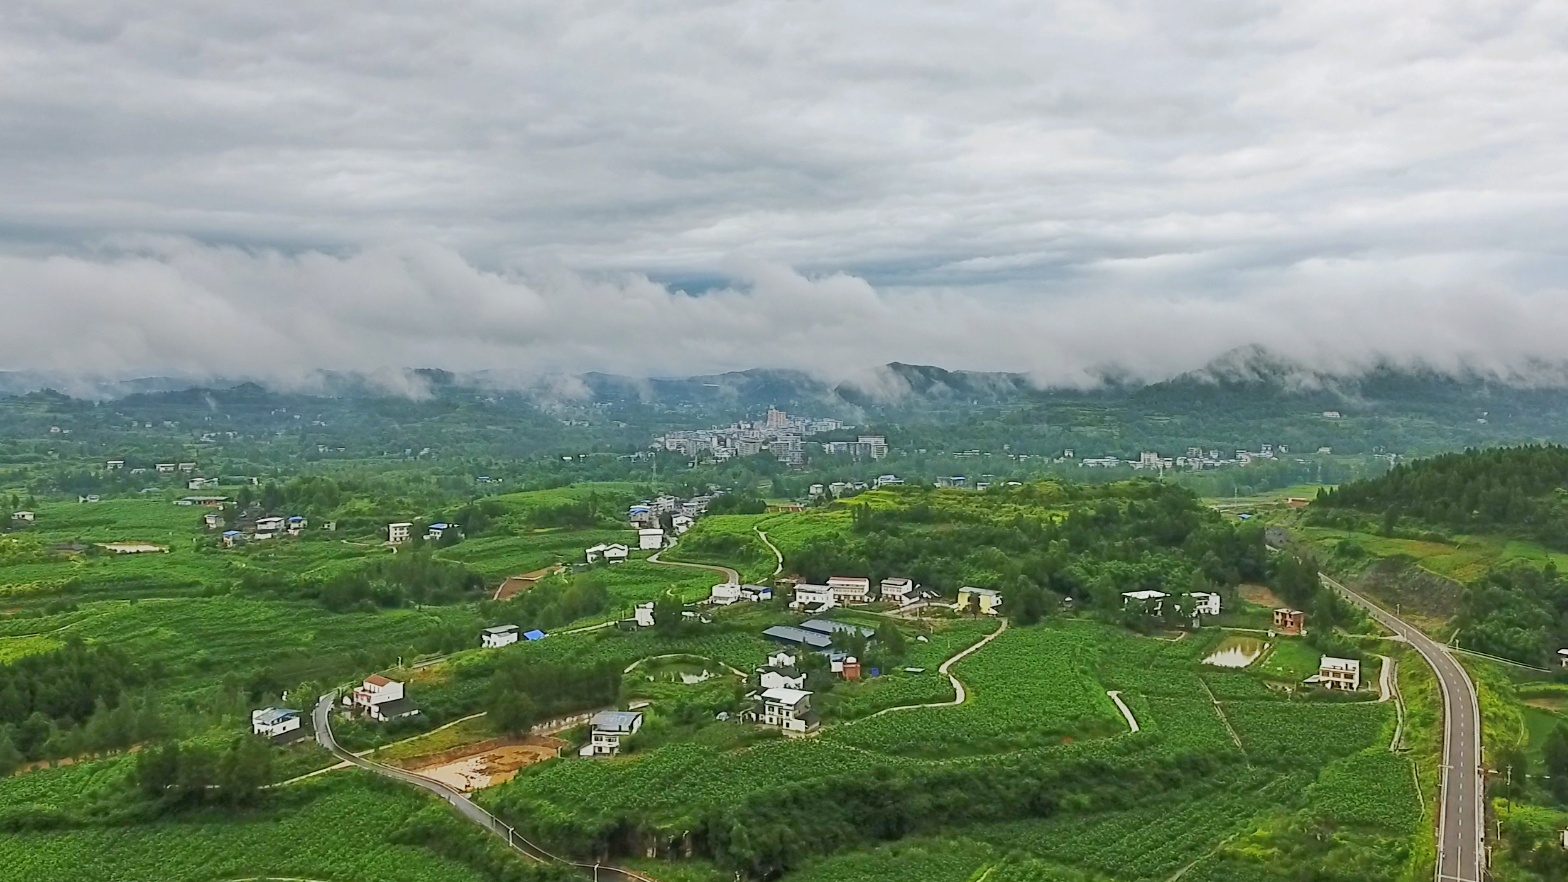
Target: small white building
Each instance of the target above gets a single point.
(1150, 601)
(782, 659)
(774, 678)
(808, 596)
(399, 532)
(724, 594)
(1338, 673)
(201, 483)
(269, 525)
(756, 593)
(232, 538)
(498, 636)
(987, 600)
(1562, 657)
(650, 539)
(1205, 603)
(607, 728)
(25, 517)
(787, 709)
(642, 614)
(213, 520)
(274, 721)
(297, 525)
(435, 531)
(615, 553)
(382, 699)
(681, 523)
(850, 589)
(165, 468)
(899, 591)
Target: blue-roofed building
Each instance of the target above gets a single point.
(535, 634)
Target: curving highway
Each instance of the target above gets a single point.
(1461, 818)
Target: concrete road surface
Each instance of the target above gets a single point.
(1461, 820)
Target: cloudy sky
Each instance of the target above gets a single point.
(664, 187)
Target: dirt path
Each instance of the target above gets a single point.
(726, 665)
(959, 693)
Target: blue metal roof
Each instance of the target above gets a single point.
(535, 634)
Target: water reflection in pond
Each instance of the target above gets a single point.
(1236, 652)
(687, 671)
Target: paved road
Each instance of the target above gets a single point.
(730, 576)
(322, 718)
(960, 694)
(1461, 821)
(779, 555)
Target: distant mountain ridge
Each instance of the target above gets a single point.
(1245, 373)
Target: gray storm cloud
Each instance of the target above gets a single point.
(187, 309)
(1054, 187)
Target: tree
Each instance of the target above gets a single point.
(10, 757)
(244, 770)
(511, 710)
(1554, 756)
(891, 641)
(1028, 604)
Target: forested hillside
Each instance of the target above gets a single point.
(1519, 490)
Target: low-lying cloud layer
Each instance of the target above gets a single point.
(1051, 187)
(191, 310)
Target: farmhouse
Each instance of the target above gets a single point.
(849, 589)
(25, 517)
(651, 539)
(435, 531)
(899, 591)
(201, 483)
(1338, 673)
(269, 525)
(399, 532)
(165, 468)
(232, 538)
(1290, 621)
(1205, 603)
(642, 615)
(780, 678)
(382, 699)
(808, 596)
(850, 670)
(498, 636)
(986, 600)
(93, 497)
(724, 594)
(608, 553)
(756, 593)
(788, 709)
(208, 501)
(828, 627)
(1562, 657)
(297, 525)
(213, 520)
(277, 723)
(681, 523)
(114, 464)
(608, 728)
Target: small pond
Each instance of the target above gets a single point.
(680, 670)
(1236, 652)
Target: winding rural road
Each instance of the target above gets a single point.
(321, 716)
(730, 576)
(1461, 820)
(778, 555)
(960, 695)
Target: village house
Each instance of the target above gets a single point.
(780, 672)
(187, 467)
(787, 709)
(382, 699)
(498, 636)
(681, 523)
(208, 501)
(201, 483)
(849, 589)
(232, 538)
(268, 526)
(213, 520)
(297, 525)
(1562, 657)
(642, 614)
(165, 468)
(899, 591)
(607, 728)
(1205, 603)
(812, 597)
(435, 531)
(987, 600)
(724, 594)
(756, 593)
(1290, 621)
(609, 553)
(798, 637)
(399, 532)
(114, 464)
(276, 723)
(850, 670)
(1149, 601)
(93, 497)
(1338, 673)
(25, 517)
(650, 539)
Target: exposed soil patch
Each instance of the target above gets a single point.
(1260, 595)
(515, 585)
(476, 766)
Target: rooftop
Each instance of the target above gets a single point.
(615, 721)
(500, 629)
(829, 627)
(784, 696)
(791, 634)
